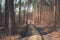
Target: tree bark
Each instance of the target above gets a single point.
(6, 16)
(12, 15)
(55, 21)
(19, 11)
(0, 16)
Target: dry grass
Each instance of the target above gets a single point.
(10, 37)
(52, 36)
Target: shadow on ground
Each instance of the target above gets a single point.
(30, 30)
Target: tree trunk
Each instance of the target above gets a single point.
(12, 15)
(6, 16)
(58, 13)
(55, 21)
(27, 13)
(19, 11)
(0, 16)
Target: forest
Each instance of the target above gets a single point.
(25, 19)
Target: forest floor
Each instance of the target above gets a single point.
(51, 36)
